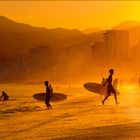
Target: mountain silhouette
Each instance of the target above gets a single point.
(127, 25)
(91, 30)
(18, 38)
(29, 52)
(12, 26)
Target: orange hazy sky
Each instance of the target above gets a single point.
(71, 14)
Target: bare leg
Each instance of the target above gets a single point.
(115, 96)
(47, 105)
(105, 98)
(50, 106)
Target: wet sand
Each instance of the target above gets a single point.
(115, 132)
(79, 116)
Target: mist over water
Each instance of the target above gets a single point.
(31, 55)
(66, 56)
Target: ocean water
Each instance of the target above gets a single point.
(76, 112)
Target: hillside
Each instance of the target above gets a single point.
(19, 38)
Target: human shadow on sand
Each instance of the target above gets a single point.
(56, 97)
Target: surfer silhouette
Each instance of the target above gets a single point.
(110, 88)
(48, 95)
(4, 96)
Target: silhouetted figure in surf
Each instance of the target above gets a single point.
(110, 88)
(48, 95)
(4, 96)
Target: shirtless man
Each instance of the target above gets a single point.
(110, 88)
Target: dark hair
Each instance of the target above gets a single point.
(46, 82)
(111, 71)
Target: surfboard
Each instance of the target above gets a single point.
(56, 97)
(98, 88)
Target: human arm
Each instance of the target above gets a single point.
(106, 81)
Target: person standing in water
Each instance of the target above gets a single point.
(48, 95)
(110, 88)
(4, 96)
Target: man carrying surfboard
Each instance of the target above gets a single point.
(4, 96)
(110, 88)
(48, 95)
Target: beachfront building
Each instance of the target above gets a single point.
(117, 45)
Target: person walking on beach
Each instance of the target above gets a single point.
(48, 95)
(4, 96)
(110, 88)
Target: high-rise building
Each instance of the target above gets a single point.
(99, 54)
(117, 46)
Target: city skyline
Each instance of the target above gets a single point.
(37, 47)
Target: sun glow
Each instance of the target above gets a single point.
(71, 14)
